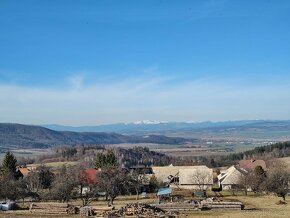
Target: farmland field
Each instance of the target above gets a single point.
(27, 153)
(55, 164)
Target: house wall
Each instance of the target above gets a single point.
(192, 187)
(226, 187)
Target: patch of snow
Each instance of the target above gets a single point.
(149, 122)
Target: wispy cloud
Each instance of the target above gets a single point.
(76, 81)
(142, 98)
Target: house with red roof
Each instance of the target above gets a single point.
(89, 176)
(22, 171)
(250, 165)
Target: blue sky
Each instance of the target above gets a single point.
(94, 62)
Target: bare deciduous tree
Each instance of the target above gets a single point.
(63, 187)
(137, 180)
(278, 179)
(202, 179)
(244, 182)
(113, 181)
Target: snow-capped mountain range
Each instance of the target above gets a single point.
(152, 126)
(148, 122)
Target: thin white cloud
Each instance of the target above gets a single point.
(76, 81)
(143, 99)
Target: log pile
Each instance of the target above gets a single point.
(52, 208)
(137, 210)
(209, 204)
(205, 205)
(86, 211)
(178, 206)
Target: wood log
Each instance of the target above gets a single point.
(49, 212)
(52, 208)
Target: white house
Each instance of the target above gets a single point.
(196, 177)
(231, 177)
(187, 177)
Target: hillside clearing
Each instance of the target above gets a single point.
(54, 164)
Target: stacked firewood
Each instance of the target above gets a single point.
(136, 210)
(179, 206)
(52, 208)
(86, 211)
(222, 205)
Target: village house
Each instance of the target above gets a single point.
(196, 177)
(166, 174)
(89, 178)
(22, 171)
(250, 165)
(230, 178)
(187, 177)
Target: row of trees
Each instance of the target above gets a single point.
(70, 183)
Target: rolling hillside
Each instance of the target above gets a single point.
(17, 135)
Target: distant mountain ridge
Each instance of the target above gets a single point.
(162, 126)
(28, 136)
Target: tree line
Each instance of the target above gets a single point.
(112, 180)
(69, 182)
(277, 150)
(267, 152)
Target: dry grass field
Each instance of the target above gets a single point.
(286, 160)
(192, 152)
(54, 164)
(27, 153)
(255, 207)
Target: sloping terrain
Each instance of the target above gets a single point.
(17, 135)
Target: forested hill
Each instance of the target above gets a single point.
(280, 149)
(18, 135)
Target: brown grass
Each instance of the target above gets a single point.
(55, 164)
(255, 207)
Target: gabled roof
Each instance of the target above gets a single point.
(250, 165)
(231, 176)
(24, 171)
(164, 173)
(196, 175)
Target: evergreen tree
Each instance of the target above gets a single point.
(106, 160)
(9, 164)
(153, 184)
(111, 160)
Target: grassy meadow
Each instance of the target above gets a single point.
(255, 207)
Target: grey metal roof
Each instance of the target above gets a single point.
(164, 191)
